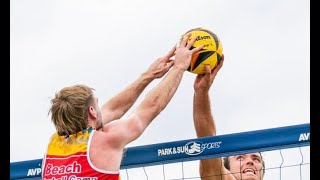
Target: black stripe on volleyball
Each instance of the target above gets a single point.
(216, 40)
(202, 57)
(218, 57)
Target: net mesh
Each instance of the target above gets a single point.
(282, 164)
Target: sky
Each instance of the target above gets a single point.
(264, 83)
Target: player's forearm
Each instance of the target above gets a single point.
(159, 97)
(202, 115)
(123, 101)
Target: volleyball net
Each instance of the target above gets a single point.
(286, 151)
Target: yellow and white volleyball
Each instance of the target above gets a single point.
(210, 54)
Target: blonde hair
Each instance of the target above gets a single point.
(69, 109)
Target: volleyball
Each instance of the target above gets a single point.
(210, 54)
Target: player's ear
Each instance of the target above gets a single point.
(92, 113)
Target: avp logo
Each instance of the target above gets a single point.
(304, 137)
(194, 148)
(34, 172)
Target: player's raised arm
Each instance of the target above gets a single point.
(158, 98)
(118, 105)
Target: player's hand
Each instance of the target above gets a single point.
(184, 53)
(162, 65)
(203, 82)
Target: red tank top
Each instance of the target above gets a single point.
(67, 159)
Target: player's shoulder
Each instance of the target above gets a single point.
(104, 135)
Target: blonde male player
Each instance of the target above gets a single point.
(88, 144)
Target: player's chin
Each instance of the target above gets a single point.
(249, 176)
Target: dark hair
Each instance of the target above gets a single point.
(226, 163)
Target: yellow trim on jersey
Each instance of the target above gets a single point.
(65, 146)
